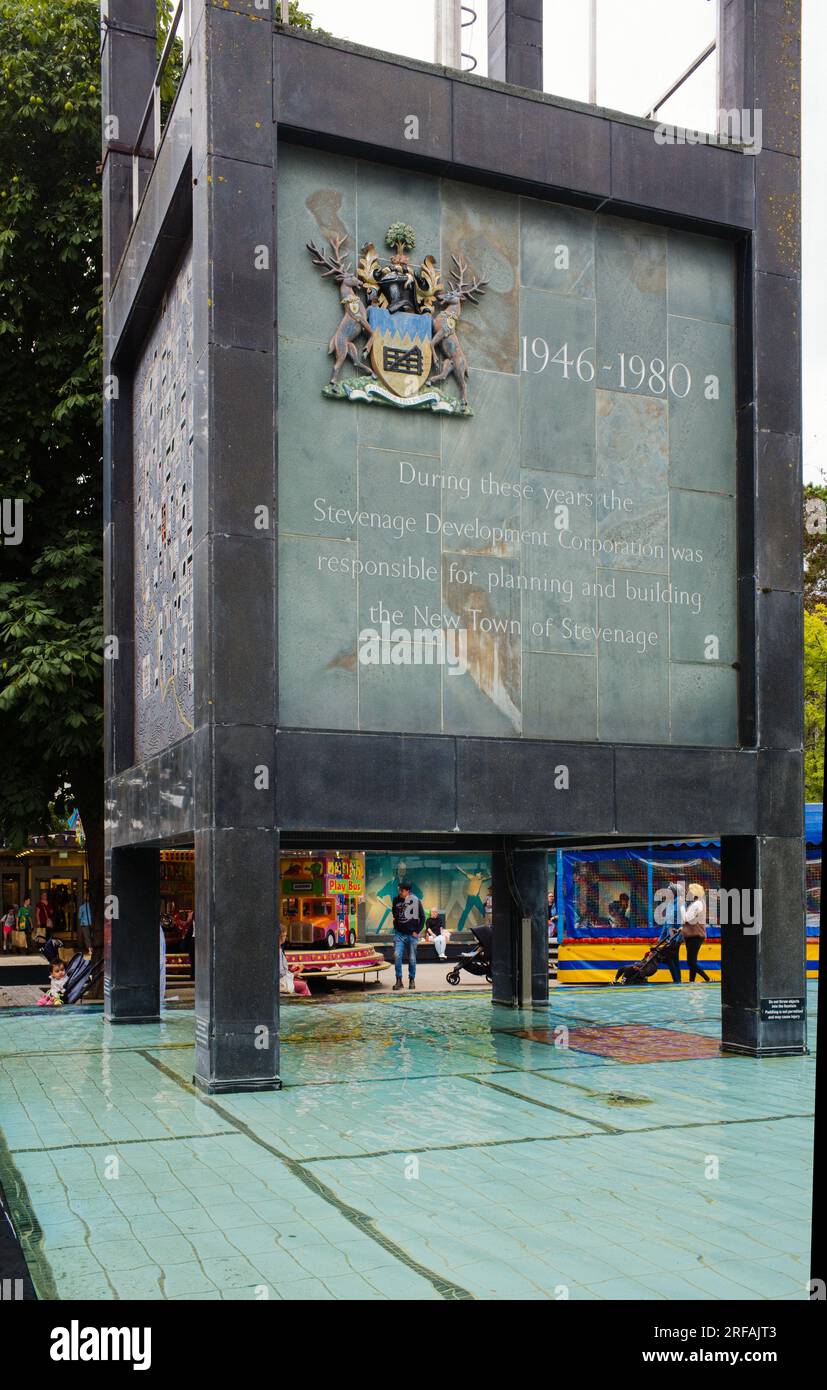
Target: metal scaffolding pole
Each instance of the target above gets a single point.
(447, 24)
(592, 52)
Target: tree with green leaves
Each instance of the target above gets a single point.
(50, 421)
(51, 653)
(815, 544)
(400, 237)
(298, 19)
(815, 679)
(815, 636)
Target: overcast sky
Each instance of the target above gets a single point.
(643, 45)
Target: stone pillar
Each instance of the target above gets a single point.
(234, 552)
(236, 946)
(132, 937)
(515, 42)
(128, 62)
(520, 944)
(132, 931)
(127, 67)
(759, 90)
(763, 972)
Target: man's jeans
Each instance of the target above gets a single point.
(404, 948)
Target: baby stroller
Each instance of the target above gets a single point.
(50, 949)
(476, 962)
(656, 958)
(81, 974)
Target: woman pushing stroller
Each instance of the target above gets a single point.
(694, 930)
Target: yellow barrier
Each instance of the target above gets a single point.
(596, 962)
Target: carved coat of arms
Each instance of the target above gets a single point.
(399, 325)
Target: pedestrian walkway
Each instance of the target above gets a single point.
(424, 1147)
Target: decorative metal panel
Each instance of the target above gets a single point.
(163, 454)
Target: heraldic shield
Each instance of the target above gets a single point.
(401, 352)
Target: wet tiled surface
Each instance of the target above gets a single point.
(632, 1042)
(423, 1147)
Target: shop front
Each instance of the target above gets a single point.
(177, 894)
(13, 880)
(53, 867)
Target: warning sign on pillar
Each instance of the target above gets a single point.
(781, 1010)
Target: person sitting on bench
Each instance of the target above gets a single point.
(289, 975)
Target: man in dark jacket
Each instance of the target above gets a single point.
(408, 920)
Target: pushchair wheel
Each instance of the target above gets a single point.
(452, 977)
(490, 979)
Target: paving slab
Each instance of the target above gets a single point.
(425, 1146)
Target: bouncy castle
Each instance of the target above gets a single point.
(609, 899)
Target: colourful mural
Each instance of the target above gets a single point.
(457, 885)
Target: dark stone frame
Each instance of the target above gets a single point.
(339, 96)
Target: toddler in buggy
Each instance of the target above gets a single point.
(68, 984)
(656, 958)
(53, 996)
(476, 962)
